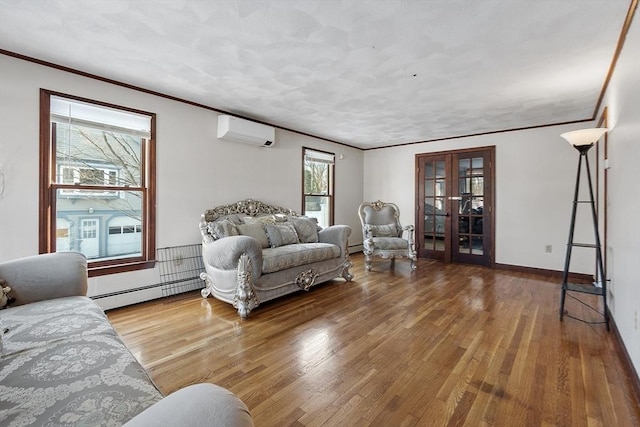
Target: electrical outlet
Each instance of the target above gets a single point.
(548, 248)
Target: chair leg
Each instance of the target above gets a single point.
(367, 262)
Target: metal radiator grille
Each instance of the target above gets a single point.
(180, 268)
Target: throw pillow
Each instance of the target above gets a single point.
(281, 234)
(386, 230)
(256, 231)
(306, 228)
(5, 299)
(224, 228)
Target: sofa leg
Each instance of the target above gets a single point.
(206, 291)
(246, 298)
(346, 274)
(414, 259)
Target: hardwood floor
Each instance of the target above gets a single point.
(447, 345)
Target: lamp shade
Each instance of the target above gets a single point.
(584, 136)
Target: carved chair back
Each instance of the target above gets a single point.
(380, 219)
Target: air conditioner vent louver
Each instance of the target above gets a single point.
(236, 129)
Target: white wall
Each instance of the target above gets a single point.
(535, 178)
(195, 171)
(535, 174)
(622, 100)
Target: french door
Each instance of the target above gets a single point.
(454, 206)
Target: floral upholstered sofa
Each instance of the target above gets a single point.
(62, 364)
(254, 252)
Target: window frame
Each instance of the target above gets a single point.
(48, 188)
(331, 184)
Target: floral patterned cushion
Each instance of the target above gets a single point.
(63, 364)
(306, 228)
(386, 243)
(255, 230)
(281, 234)
(285, 257)
(385, 230)
(223, 228)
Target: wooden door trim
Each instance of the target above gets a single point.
(603, 122)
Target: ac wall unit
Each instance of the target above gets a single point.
(240, 130)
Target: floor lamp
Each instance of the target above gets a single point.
(582, 140)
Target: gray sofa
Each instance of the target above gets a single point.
(64, 365)
(255, 252)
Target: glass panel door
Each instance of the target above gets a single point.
(433, 211)
(470, 239)
(453, 212)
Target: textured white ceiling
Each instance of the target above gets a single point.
(365, 73)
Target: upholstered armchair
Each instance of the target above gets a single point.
(383, 233)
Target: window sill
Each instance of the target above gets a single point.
(103, 270)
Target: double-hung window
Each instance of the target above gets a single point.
(97, 182)
(318, 177)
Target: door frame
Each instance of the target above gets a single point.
(601, 201)
(489, 204)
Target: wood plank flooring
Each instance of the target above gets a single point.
(447, 345)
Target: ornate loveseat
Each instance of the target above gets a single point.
(254, 252)
(62, 364)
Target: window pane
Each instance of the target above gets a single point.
(463, 224)
(430, 217)
(318, 207)
(477, 185)
(464, 185)
(464, 166)
(477, 225)
(90, 156)
(98, 224)
(428, 170)
(476, 246)
(464, 246)
(429, 242)
(440, 187)
(428, 188)
(316, 178)
(477, 205)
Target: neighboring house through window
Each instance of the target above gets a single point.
(318, 178)
(97, 183)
